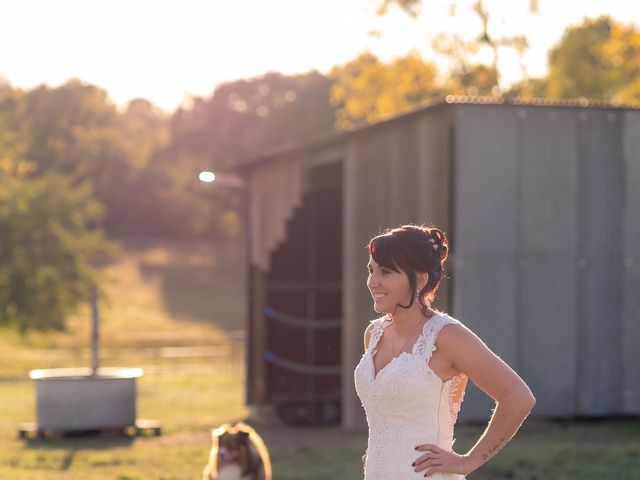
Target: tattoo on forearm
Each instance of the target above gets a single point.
(492, 451)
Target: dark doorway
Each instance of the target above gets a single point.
(304, 307)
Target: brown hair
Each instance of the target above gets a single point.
(413, 249)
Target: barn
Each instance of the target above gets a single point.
(541, 202)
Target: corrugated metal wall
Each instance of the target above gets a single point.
(395, 173)
(631, 260)
(485, 237)
(538, 241)
(600, 279)
(547, 203)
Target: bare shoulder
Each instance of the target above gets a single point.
(459, 344)
(456, 339)
(455, 332)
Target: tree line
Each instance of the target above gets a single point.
(77, 173)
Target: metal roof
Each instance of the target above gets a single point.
(334, 136)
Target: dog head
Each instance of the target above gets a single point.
(233, 448)
(237, 452)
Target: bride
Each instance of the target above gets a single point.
(412, 376)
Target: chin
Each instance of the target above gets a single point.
(379, 309)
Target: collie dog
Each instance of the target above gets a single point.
(237, 453)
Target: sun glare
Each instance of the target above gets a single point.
(207, 177)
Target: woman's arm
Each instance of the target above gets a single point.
(514, 400)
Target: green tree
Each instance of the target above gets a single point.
(66, 126)
(48, 240)
(576, 65)
(48, 232)
(622, 51)
(146, 129)
(244, 117)
(239, 120)
(528, 89)
(466, 75)
(367, 90)
(75, 130)
(12, 139)
(598, 59)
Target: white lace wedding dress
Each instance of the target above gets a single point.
(407, 404)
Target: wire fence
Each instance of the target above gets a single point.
(154, 360)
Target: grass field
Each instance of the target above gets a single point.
(190, 295)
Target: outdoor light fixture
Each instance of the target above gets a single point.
(207, 177)
(224, 179)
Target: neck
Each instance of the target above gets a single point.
(407, 320)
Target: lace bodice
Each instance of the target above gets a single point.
(407, 404)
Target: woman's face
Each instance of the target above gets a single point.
(388, 288)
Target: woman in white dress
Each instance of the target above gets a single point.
(413, 374)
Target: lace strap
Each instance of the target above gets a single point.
(427, 342)
(376, 333)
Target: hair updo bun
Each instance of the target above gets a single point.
(413, 249)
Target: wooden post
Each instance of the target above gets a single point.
(95, 331)
(258, 338)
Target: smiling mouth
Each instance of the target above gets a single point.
(379, 295)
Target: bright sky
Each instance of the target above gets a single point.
(167, 50)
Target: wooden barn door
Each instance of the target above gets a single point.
(303, 307)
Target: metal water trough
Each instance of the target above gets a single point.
(77, 399)
(70, 400)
